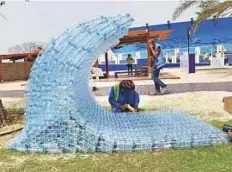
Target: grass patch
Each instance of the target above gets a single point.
(220, 124)
(18, 110)
(205, 159)
(15, 108)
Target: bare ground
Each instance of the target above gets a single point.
(206, 106)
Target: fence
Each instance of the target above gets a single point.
(15, 71)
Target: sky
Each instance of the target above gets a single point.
(39, 21)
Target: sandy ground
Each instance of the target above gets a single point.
(4, 140)
(206, 106)
(18, 123)
(15, 103)
(15, 85)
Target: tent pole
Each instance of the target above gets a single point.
(148, 51)
(107, 64)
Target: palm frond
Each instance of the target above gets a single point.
(2, 3)
(224, 7)
(215, 10)
(3, 16)
(208, 3)
(202, 5)
(183, 7)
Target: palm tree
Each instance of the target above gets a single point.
(1, 4)
(209, 8)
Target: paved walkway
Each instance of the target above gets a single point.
(12, 93)
(146, 89)
(177, 88)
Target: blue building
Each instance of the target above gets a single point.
(212, 36)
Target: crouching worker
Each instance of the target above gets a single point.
(123, 97)
(228, 129)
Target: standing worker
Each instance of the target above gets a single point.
(206, 56)
(158, 62)
(129, 60)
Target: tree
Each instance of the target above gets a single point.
(2, 3)
(5, 118)
(208, 8)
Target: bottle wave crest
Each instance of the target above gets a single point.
(62, 115)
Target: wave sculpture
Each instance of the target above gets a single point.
(62, 115)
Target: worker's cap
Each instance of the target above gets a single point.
(127, 85)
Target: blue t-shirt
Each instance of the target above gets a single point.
(131, 98)
(158, 62)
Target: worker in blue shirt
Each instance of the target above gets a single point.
(123, 97)
(158, 62)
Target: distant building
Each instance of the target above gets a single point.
(25, 47)
(212, 36)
